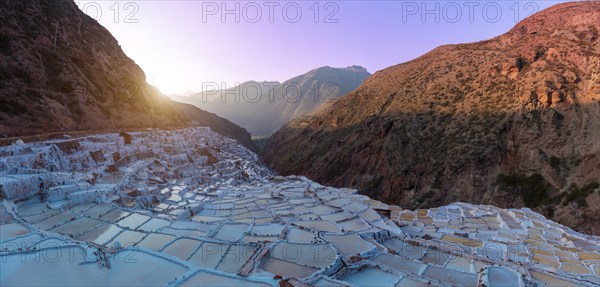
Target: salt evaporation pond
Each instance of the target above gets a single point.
(371, 277)
(127, 238)
(209, 254)
(12, 230)
(156, 241)
(319, 225)
(235, 257)
(68, 266)
(287, 268)
(206, 279)
(183, 247)
(154, 225)
(77, 226)
(312, 255)
(102, 234)
(115, 215)
(231, 232)
(133, 221)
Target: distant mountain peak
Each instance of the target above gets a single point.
(263, 107)
(357, 68)
(353, 68)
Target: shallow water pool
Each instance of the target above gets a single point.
(68, 262)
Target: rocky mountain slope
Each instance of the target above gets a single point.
(263, 107)
(62, 71)
(513, 121)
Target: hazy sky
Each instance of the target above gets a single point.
(182, 44)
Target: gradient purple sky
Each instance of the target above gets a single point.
(179, 49)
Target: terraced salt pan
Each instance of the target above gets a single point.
(78, 226)
(127, 238)
(203, 278)
(319, 225)
(207, 219)
(401, 263)
(32, 209)
(339, 202)
(302, 201)
(192, 225)
(287, 268)
(102, 234)
(314, 255)
(450, 276)
(98, 211)
(22, 242)
(268, 229)
(350, 244)
(300, 236)
(551, 281)
(231, 232)
(261, 214)
(209, 254)
(133, 221)
(184, 232)
(407, 282)
(325, 281)
(436, 257)
(354, 225)
(500, 277)
(51, 243)
(182, 248)
(299, 210)
(460, 263)
(154, 225)
(355, 207)
(156, 241)
(12, 230)
(322, 210)
(81, 207)
(370, 215)
(55, 220)
(115, 215)
(69, 262)
(339, 216)
(41, 216)
(371, 277)
(258, 239)
(235, 257)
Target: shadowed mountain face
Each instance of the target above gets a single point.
(263, 107)
(512, 121)
(62, 71)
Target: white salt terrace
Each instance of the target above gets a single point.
(193, 208)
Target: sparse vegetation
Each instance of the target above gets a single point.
(54, 69)
(533, 188)
(521, 63)
(12, 107)
(555, 163)
(578, 195)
